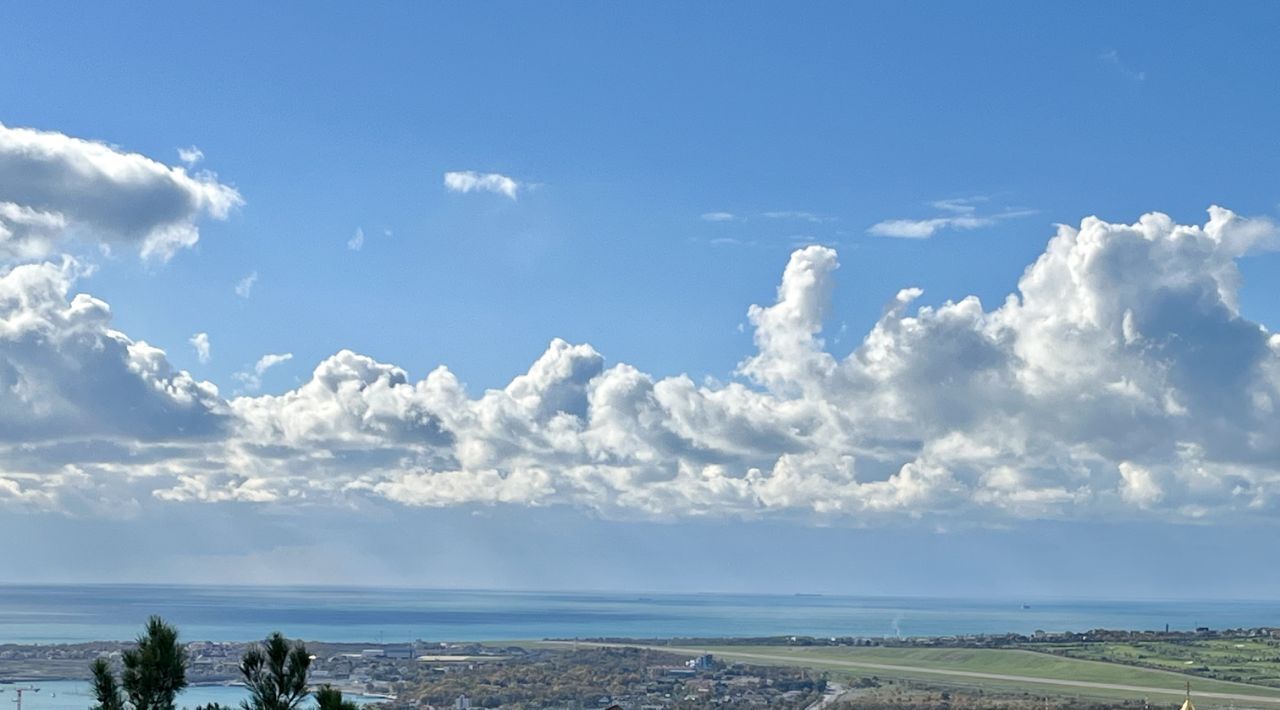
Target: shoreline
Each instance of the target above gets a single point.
(1038, 636)
(347, 691)
(1101, 661)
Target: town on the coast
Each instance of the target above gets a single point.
(1100, 668)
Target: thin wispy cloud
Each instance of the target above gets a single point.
(356, 242)
(470, 181)
(200, 341)
(251, 379)
(796, 222)
(925, 228)
(803, 240)
(959, 205)
(1112, 58)
(190, 155)
(782, 215)
(718, 217)
(798, 215)
(244, 287)
(961, 215)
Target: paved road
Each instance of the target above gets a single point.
(1146, 690)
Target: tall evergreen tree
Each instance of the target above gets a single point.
(105, 687)
(276, 673)
(155, 671)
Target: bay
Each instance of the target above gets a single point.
(76, 695)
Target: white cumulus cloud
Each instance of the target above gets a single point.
(67, 375)
(471, 181)
(1118, 380)
(55, 189)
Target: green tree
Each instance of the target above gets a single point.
(276, 673)
(330, 698)
(105, 687)
(155, 671)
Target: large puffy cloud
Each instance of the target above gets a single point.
(1120, 379)
(65, 373)
(87, 414)
(54, 188)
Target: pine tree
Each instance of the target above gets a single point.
(105, 687)
(155, 671)
(276, 674)
(330, 698)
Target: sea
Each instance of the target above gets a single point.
(77, 695)
(48, 614)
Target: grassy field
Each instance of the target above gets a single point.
(1000, 662)
(1245, 660)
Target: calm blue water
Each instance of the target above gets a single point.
(76, 695)
(59, 614)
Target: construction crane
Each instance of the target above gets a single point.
(20, 691)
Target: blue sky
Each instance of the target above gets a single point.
(635, 121)
(669, 160)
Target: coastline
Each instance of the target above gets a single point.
(1100, 662)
